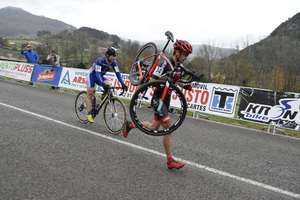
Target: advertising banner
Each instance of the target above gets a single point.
(204, 97)
(73, 78)
(223, 100)
(267, 106)
(15, 70)
(46, 74)
(115, 83)
(197, 99)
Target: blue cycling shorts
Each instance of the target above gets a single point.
(92, 80)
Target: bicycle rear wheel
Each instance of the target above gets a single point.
(142, 109)
(80, 107)
(143, 61)
(114, 115)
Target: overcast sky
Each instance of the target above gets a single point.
(222, 22)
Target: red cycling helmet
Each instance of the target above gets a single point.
(184, 46)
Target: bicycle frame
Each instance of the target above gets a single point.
(157, 58)
(108, 96)
(150, 72)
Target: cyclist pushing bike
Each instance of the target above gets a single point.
(96, 76)
(161, 116)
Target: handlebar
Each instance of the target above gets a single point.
(123, 91)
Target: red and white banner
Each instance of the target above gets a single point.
(15, 70)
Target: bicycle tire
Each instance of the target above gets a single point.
(137, 101)
(121, 108)
(134, 75)
(80, 107)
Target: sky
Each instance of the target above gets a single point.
(224, 23)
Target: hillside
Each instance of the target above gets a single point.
(282, 47)
(16, 22)
(273, 62)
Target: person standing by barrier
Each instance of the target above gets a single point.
(53, 59)
(31, 56)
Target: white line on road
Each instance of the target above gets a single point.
(199, 166)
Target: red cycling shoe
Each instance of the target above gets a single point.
(173, 164)
(128, 127)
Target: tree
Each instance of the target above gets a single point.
(279, 78)
(210, 53)
(1, 41)
(43, 33)
(198, 64)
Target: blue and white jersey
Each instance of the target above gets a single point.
(100, 67)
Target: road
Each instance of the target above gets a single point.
(47, 154)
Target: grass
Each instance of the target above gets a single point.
(247, 124)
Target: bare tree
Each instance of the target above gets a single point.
(209, 52)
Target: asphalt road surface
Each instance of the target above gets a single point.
(45, 153)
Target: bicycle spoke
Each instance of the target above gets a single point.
(81, 107)
(145, 110)
(114, 115)
(143, 61)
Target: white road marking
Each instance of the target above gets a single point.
(199, 166)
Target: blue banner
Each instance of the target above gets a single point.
(46, 74)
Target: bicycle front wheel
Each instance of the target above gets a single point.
(114, 115)
(143, 110)
(143, 61)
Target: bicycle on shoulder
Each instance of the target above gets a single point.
(165, 99)
(114, 112)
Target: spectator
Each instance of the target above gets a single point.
(53, 58)
(30, 55)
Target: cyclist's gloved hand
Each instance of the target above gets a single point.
(125, 88)
(187, 87)
(105, 88)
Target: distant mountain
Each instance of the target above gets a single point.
(15, 22)
(97, 34)
(280, 48)
(198, 50)
(290, 28)
(273, 62)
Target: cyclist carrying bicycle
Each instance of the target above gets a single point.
(181, 50)
(96, 76)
